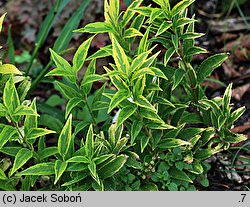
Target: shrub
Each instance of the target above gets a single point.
(165, 126)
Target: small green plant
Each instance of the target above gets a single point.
(157, 140)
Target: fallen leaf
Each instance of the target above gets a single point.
(229, 70)
(240, 129)
(100, 41)
(239, 49)
(239, 92)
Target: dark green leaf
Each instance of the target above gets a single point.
(37, 132)
(125, 113)
(208, 65)
(6, 134)
(171, 143)
(89, 145)
(95, 28)
(40, 169)
(65, 138)
(20, 159)
(81, 54)
(112, 167)
(67, 34)
(179, 175)
(60, 167)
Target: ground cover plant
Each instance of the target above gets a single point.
(164, 127)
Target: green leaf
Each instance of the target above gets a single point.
(129, 13)
(125, 113)
(90, 71)
(82, 159)
(168, 143)
(63, 68)
(20, 159)
(236, 138)
(143, 102)
(23, 110)
(6, 134)
(92, 170)
(143, 46)
(59, 61)
(132, 32)
(102, 158)
(9, 69)
(236, 115)
(169, 53)
(144, 142)
(101, 53)
(49, 21)
(66, 34)
(119, 96)
(190, 133)
(179, 7)
(30, 121)
(64, 139)
(183, 21)
(81, 54)
(158, 73)
(160, 126)
(34, 133)
(39, 169)
(150, 187)
(197, 167)
(191, 118)
(141, 72)
(99, 105)
(67, 91)
(156, 13)
(163, 28)
(2, 110)
(179, 175)
(172, 187)
(208, 65)
(89, 145)
(120, 145)
(204, 154)
(151, 115)
(11, 151)
(1, 21)
(60, 167)
(164, 101)
(204, 182)
(76, 179)
(95, 28)
(226, 100)
(80, 126)
(178, 76)
(91, 78)
(139, 60)
(10, 96)
(112, 167)
(76, 167)
(194, 51)
(121, 59)
(144, 10)
(2, 175)
(47, 152)
(191, 35)
(72, 104)
(135, 130)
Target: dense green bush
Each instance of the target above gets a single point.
(165, 127)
